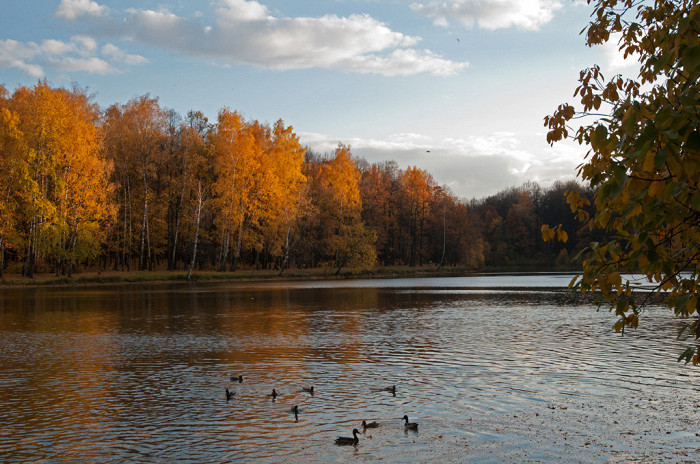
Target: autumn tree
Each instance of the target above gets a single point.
(287, 193)
(379, 191)
(417, 189)
(202, 175)
(236, 160)
(351, 242)
(135, 138)
(643, 160)
(555, 210)
(521, 225)
(310, 248)
(181, 177)
(259, 232)
(65, 192)
(86, 208)
(14, 175)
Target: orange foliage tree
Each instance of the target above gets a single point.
(352, 243)
(417, 187)
(65, 199)
(13, 176)
(236, 159)
(135, 137)
(288, 192)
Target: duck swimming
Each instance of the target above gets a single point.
(238, 379)
(370, 425)
(410, 425)
(308, 390)
(273, 394)
(391, 389)
(229, 394)
(347, 440)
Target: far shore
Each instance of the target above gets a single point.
(118, 277)
(88, 278)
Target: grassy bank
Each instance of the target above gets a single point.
(115, 277)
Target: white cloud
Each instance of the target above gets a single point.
(79, 54)
(79, 45)
(490, 14)
(615, 60)
(91, 65)
(404, 62)
(114, 53)
(246, 32)
(14, 54)
(242, 10)
(74, 9)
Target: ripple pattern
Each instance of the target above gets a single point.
(137, 374)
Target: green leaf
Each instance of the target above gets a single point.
(687, 355)
(690, 59)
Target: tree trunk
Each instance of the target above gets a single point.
(444, 238)
(28, 268)
(340, 266)
(2, 255)
(128, 225)
(223, 254)
(142, 247)
(71, 249)
(200, 199)
(420, 235)
(340, 238)
(285, 260)
(148, 248)
(178, 207)
(237, 254)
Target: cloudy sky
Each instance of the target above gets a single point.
(456, 87)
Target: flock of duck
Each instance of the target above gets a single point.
(354, 440)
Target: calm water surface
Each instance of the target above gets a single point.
(494, 369)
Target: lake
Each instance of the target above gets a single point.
(494, 368)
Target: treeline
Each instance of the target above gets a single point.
(138, 187)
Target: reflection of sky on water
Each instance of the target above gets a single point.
(538, 280)
(137, 373)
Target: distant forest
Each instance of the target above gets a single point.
(138, 187)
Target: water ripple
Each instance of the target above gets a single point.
(491, 374)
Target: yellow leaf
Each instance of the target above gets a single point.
(656, 189)
(648, 165)
(636, 210)
(563, 236)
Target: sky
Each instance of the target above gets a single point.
(458, 88)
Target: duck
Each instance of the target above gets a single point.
(391, 389)
(229, 394)
(347, 440)
(409, 425)
(308, 390)
(273, 394)
(370, 425)
(238, 378)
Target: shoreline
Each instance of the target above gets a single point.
(136, 277)
(84, 279)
